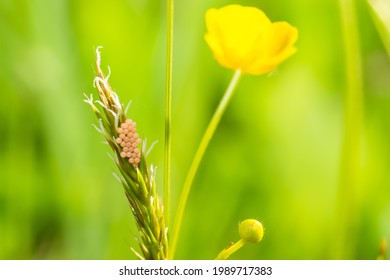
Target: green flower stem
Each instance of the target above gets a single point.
(198, 158)
(168, 114)
(347, 204)
(225, 254)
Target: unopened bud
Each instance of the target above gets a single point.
(251, 231)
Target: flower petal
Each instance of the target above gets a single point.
(282, 42)
(232, 33)
(279, 46)
(244, 38)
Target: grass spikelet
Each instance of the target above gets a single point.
(137, 179)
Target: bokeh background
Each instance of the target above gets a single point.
(275, 157)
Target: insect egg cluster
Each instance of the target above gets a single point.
(129, 141)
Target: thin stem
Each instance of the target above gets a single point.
(351, 149)
(168, 114)
(225, 254)
(198, 158)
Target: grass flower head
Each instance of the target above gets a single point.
(137, 179)
(244, 38)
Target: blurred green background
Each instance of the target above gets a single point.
(275, 156)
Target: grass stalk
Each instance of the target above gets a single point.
(168, 113)
(381, 15)
(137, 179)
(198, 158)
(347, 202)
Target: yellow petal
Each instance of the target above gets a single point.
(282, 42)
(279, 46)
(232, 33)
(244, 38)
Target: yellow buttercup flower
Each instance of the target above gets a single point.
(243, 38)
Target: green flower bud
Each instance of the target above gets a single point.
(251, 231)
